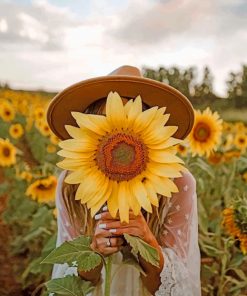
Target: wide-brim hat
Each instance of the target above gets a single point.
(128, 82)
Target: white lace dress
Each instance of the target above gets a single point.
(181, 271)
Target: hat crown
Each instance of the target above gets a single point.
(126, 70)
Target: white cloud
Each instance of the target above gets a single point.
(57, 47)
(3, 25)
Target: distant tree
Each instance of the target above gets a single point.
(203, 91)
(180, 79)
(237, 88)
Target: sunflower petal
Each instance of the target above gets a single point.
(135, 110)
(112, 202)
(144, 118)
(123, 202)
(80, 133)
(85, 121)
(77, 145)
(75, 155)
(170, 170)
(72, 164)
(160, 134)
(133, 203)
(140, 193)
(102, 201)
(151, 193)
(76, 176)
(163, 156)
(165, 144)
(115, 113)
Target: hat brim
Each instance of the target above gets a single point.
(80, 95)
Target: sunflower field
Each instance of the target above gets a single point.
(215, 152)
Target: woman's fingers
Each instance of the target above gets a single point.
(107, 216)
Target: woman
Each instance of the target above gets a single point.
(173, 230)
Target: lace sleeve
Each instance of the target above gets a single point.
(179, 238)
(65, 231)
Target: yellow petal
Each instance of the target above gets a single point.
(135, 110)
(102, 201)
(84, 121)
(77, 145)
(159, 186)
(100, 193)
(165, 144)
(112, 202)
(159, 120)
(101, 121)
(123, 202)
(115, 113)
(76, 176)
(151, 193)
(72, 164)
(90, 185)
(144, 119)
(75, 155)
(127, 106)
(160, 134)
(80, 133)
(133, 203)
(162, 156)
(171, 170)
(140, 193)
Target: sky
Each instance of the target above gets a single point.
(51, 44)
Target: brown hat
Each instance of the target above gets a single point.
(128, 82)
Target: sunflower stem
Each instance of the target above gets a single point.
(108, 268)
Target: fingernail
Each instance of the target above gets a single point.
(105, 208)
(97, 217)
(113, 230)
(101, 226)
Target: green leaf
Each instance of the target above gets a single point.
(75, 253)
(130, 259)
(147, 252)
(69, 286)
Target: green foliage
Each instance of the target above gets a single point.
(147, 252)
(75, 253)
(69, 286)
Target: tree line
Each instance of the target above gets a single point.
(201, 93)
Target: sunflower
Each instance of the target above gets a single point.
(7, 112)
(43, 190)
(16, 130)
(44, 128)
(215, 158)
(229, 155)
(39, 113)
(51, 148)
(124, 158)
(54, 139)
(240, 141)
(26, 176)
(7, 153)
(206, 132)
(234, 228)
(182, 149)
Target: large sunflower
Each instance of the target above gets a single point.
(7, 153)
(43, 190)
(206, 132)
(124, 158)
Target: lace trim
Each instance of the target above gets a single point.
(174, 276)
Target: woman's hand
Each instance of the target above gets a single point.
(137, 226)
(104, 241)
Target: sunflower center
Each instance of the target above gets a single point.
(202, 132)
(43, 187)
(6, 151)
(7, 112)
(121, 156)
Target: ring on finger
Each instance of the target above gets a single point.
(108, 243)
